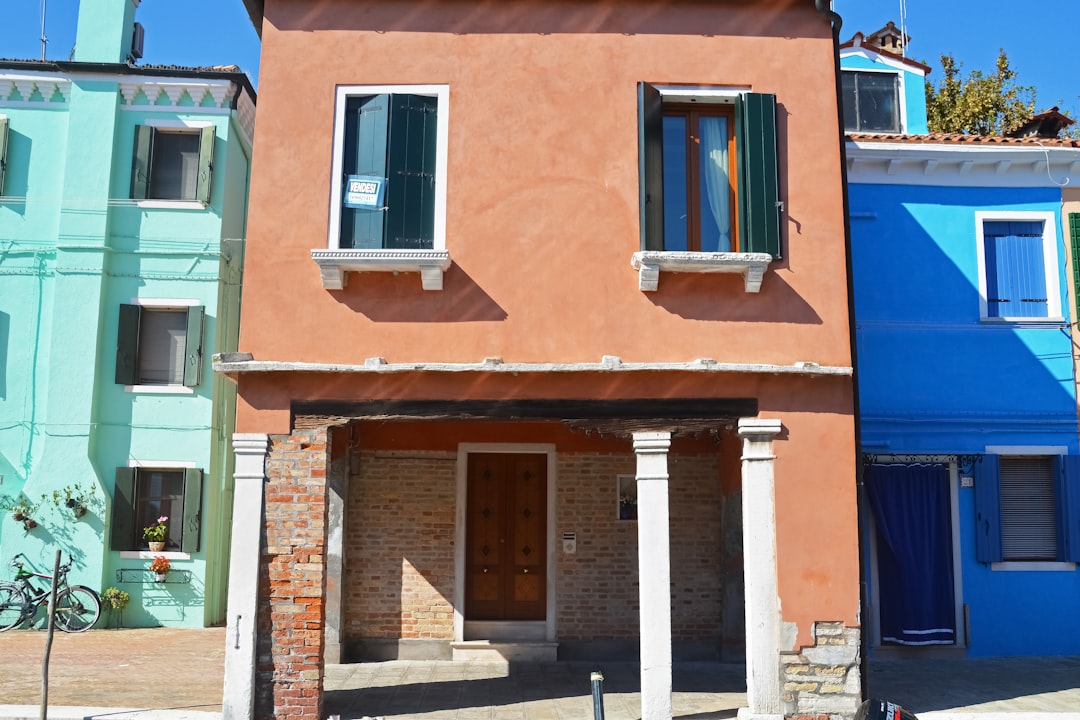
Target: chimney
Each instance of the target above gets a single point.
(106, 31)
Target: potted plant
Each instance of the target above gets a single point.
(154, 535)
(627, 507)
(22, 510)
(160, 567)
(116, 599)
(72, 497)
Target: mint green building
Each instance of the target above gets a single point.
(123, 195)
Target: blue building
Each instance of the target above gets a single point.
(966, 375)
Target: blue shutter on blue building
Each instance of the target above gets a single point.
(987, 510)
(1067, 489)
(1015, 273)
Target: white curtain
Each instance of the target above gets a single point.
(714, 172)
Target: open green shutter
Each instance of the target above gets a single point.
(988, 510)
(127, 345)
(193, 347)
(3, 151)
(650, 166)
(410, 169)
(193, 481)
(206, 163)
(140, 162)
(1074, 235)
(364, 153)
(123, 510)
(1067, 489)
(759, 174)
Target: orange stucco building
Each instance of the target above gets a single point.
(545, 345)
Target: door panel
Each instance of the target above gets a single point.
(506, 537)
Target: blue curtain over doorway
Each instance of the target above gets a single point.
(914, 552)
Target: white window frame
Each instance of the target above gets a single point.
(177, 304)
(335, 261)
(157, 465)
(1030, 450)
(1050, 263)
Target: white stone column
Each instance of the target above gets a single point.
(238, 701)
(759, 571)
(654, 573)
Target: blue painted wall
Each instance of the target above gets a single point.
(935, 379)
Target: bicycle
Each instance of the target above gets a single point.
(77, 606)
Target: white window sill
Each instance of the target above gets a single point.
(1023, 320)
(160, 389)
(147, 555)
(1034, 566)
(649, 263)
(171, 204)
(334, 263)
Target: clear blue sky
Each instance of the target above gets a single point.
(972, 32)
(218, 32)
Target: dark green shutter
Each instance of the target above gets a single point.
(650, 166)
(140, 162)
(193, 479)
(759, 176)
(123, 510)
(410, 169)
(206, 163)
(1067, 490)
(193, 347)
(988, 510)
(1074, 234)
(3, 151)
(127, 345)
(364, 153)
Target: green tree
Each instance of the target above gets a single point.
(978, 104)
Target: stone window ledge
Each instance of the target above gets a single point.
(333, 264)
(649, 263)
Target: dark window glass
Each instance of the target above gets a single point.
(159, 493)
(174, 171)
(871, 102)
(162, 347)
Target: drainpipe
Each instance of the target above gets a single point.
(835, 21)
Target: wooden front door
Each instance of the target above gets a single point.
(506, 537)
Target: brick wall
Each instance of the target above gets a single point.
(399, 552)
(399, 546)
(289, 665)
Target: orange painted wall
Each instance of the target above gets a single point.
(542, 221)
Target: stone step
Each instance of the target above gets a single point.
(504, 651)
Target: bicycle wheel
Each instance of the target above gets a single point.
(77, 609)
(13, 605)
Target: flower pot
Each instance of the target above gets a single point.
(160, 577)
(157, 546)
(79, 510)
(18, 516)
(29, 524)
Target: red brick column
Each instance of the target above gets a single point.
(289, 671)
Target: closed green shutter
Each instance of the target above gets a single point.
(987, 510)
(1067, 489)
(127, 345)
(140, 162)
(193, 346)
(650, 167)
(123, 510)
(3, 151)
(1074, 235)
(193, 480)
(364, 153)
(410, 170)
(759, 175)
(206, 163)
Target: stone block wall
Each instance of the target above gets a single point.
(289, 657)
(823, 680)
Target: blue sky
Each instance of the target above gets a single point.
(181, 32)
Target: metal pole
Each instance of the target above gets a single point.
(48, 642)
(44, 39)
(597, 695)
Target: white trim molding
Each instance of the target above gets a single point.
(334, 263)
(649, 263)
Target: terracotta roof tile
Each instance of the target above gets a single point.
(961, 139)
